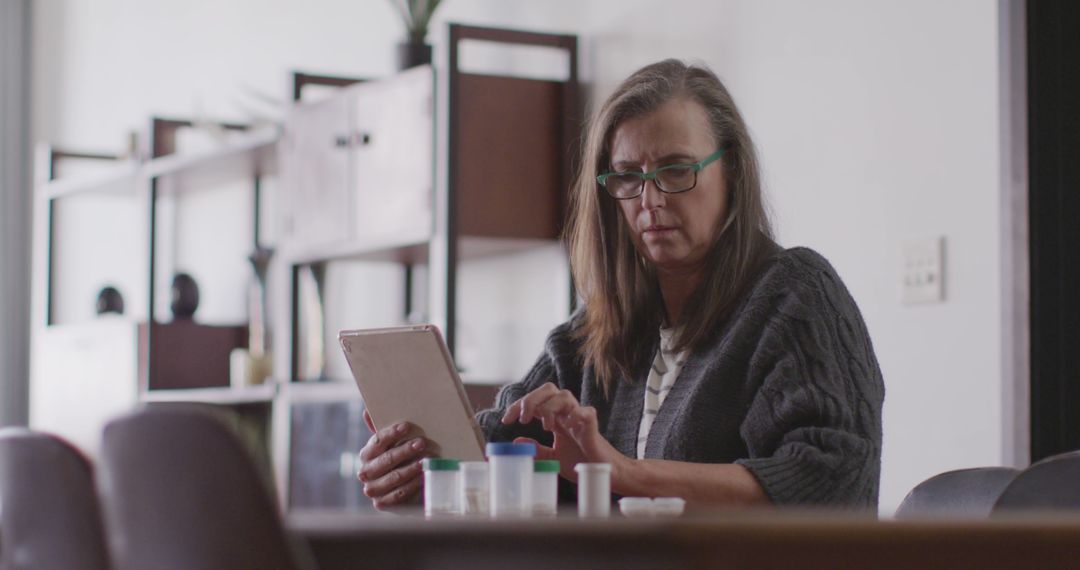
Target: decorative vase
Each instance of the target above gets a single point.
(185, 296)
(258, 308)
(312, 333)
(412, 54)
(110, 300)
(253, 365)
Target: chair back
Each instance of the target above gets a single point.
(50, 517)
(963, 493)
(181, 491)
(1052, 484)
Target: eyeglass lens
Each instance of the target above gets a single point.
(672, 179)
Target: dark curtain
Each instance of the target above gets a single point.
(1053, 42)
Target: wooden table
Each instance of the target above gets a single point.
(696, 540)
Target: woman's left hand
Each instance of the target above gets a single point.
(577, 433)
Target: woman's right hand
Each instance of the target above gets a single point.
(390, 467)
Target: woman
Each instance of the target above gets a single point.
(706, 362)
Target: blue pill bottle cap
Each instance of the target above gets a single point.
(525, 449)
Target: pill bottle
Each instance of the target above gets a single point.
(545, 490)
(510, 466)
(440, 487)
(473, 497)
(594, 489)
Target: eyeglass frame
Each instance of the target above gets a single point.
(646, 176)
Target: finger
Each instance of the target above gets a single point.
(401, 495)
(513, 412)
(367, 421)
(561, 403)
(389, 482)
(534, 399)
(542, 451)
(379, 466)
(562, 424)
(383, 439)
(579, 421)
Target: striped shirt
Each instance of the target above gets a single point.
(666, 366)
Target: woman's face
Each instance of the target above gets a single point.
(673, 231)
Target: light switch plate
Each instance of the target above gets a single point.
(924, 271)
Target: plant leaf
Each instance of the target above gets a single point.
(429, 11)
(403, 12)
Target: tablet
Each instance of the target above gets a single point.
(406, 374)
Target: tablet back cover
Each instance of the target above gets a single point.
(406, 373)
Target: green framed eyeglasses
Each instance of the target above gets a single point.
(670, 179)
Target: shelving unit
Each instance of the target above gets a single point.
(86, 370)
(226, 395)
(417, 178)
(498, 174)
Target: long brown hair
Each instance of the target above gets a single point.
(623, 307)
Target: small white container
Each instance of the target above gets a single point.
(440, 487)
(474, 488)
(636, 507)
(594, 489)
(668, 506)
(511, 468)
(545, 491)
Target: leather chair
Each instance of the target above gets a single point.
(963, 493)
(49, 512)
(1052, 484)
(181, 491)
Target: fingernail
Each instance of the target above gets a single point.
(400, 428)
(418, 444)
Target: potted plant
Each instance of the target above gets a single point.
(417, 16)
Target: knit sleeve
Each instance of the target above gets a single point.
(555, 365)
(813, 430)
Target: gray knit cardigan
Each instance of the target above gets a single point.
(789, 388)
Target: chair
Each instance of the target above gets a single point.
(181, 491)
(963, 493)
(49, 511)
(1052, 484)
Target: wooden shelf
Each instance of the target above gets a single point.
(314, 391)
(404, 248)
(224, 156)
(411, 249)
(473, 380)
(123, 178)
(171, 348)
(470, 247)
(118, 179)
(263, 393)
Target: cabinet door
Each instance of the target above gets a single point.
(393, 157)
(315, 168)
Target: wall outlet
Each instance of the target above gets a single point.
(924, 271)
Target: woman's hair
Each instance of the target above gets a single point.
(623, 307)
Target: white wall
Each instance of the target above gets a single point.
(877, 122)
